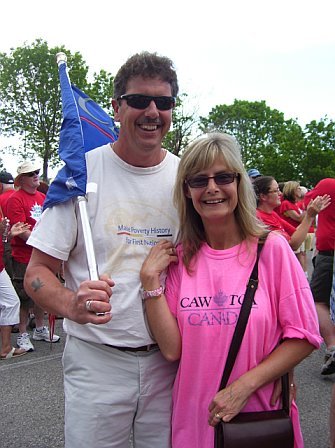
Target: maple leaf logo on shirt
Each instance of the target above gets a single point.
(36, 211)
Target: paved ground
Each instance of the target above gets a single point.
(31, 394)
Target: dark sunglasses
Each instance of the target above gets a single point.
(219, 179)
(138, 101)
(33, 173)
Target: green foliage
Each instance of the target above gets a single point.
(30, 103)
(102, 89)
(319, 158)
(183, 126)
(275, 146)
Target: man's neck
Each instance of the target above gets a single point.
(29, 190)
(143, 160)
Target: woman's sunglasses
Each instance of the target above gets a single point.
(138, 101)
(219, 179)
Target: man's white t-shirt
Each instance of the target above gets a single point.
(130, 211)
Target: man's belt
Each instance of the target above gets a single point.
(327, 253)
(143, 348)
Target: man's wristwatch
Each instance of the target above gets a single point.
(154, 293)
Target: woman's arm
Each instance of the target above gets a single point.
(228, 402)
(161, 321)
(294, 215)
(314, 207)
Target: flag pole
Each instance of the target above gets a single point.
(61, 58)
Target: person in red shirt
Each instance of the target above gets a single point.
(9, 301)
(321, 281)
(268, 198)
(6, 190)
(25, 205)
(294, 215)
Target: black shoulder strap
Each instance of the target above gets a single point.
(241, 326)
(243, 318)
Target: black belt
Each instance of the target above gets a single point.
(327, 253)
(144, 348)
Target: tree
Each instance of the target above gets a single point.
(319, 158)
(183, 127)
(268, 142)
(30, 104)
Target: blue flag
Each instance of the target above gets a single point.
(85, 126)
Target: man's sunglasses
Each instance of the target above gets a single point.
(219, 179)
(138, 101)
(33, 173)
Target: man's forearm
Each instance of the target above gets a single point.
(42, 285)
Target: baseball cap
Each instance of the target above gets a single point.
(6, 178)
(254, 173)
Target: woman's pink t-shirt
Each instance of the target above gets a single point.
(207, 306)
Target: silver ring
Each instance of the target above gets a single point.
(292, 385)
(88, 304)
(218, 415)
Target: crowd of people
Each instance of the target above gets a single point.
(175, 243)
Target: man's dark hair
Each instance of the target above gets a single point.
(147, 65)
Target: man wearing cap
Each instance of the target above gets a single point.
(6, 190)
(253, 174)
(25, 205)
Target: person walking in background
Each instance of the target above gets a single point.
(194, 319)
(322, 275)
(116, 380)
(25, 205)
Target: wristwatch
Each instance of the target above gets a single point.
(154, 293)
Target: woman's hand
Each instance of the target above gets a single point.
(18, 228)
(228, 402)
(158, 259)
(318, 204)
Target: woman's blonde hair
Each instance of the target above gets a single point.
(200, 155)
(289, 190)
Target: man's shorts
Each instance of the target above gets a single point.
(19, 269)
(322, 278)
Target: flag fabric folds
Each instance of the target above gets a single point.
(85, 126)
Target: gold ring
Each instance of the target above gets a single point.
(218, 415)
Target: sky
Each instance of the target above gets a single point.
(280, 52)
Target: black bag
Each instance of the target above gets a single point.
(266, 429)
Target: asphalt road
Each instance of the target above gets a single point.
(32, 402)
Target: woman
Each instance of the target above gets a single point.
(9, 301)
(268, 199)
(293, 214)
(195, 318)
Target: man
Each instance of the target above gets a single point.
(321, 281)
(6, 190)
(253, 174)
(25, 205)
(117, 382)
